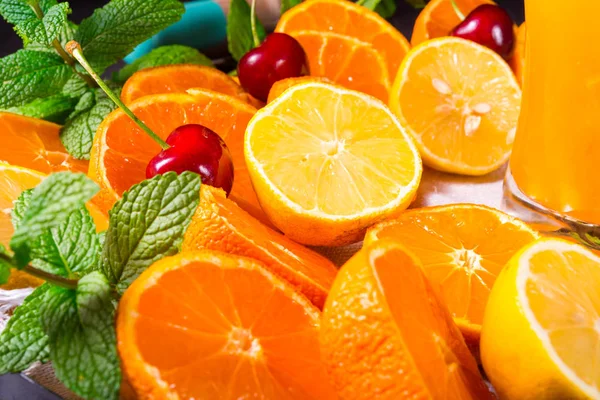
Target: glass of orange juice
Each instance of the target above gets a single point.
(555, 164)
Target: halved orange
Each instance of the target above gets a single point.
(122, 150)
(13, 181)
(328, 162)
(281, 86)
(460, 101)
(347, 61)
(178, 79)
(463, 248)
(348, 18)
(386, 333)
(517, 62)
(219, 224)
(207, 325)
(438, 18)
(34, 143)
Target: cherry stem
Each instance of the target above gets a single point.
(75, 50)
(255, 37)
(457, 11)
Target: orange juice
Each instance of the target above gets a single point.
(556, 154)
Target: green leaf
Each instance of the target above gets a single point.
(50, 204)
(417, 3)
(239, 29)
(54, 108)
(114, 30)
(70, 249)
(148, 224)
(78, 133)
(164, 55)
(19, 11)
(75, 87)
(23, 341)
(287, 4)
(48, 28)
(386, 8)
(28, 75)
(81, 336)
(5, 267)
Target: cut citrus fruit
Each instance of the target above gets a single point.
(178, 79)
(386, 333)
(122, 150)
(463, 248)
(281, 86)
(347, 61)
(517, 62)
(461, 102)
(34, 143)
(438, 18)
(219, 224)
(541, 331)
(348, 18)
(328, 162)
(13, 181)
(207, 325)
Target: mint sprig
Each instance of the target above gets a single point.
(70, 319)
(44, 81)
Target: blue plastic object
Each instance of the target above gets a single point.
(202, 26)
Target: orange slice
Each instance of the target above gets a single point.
(463, 248)
(386, 334)
(461, 102)
(328, 162)
(438, 18)
(281, 86)
(347, 61)
(13, 181)
(178, 79)
(348, 18)
(517, 62)
(219, 224)
(122, 151)
(34, 143)
(207, 325)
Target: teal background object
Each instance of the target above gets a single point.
(202, 26)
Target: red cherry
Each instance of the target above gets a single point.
(198, 149)
(280, 56)
(490, 26)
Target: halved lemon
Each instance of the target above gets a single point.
(328, 162)
(541, 329)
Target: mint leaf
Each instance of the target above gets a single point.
(75, 87)
(114, 30)
(48, 28)
(386, 8)
(148, 224)
(28, 75)
(19, 11)
(79, 130)
(239, 29)
(81, 336)
(50, 204)
(287, 4)
(70, 249)
(54, 108)
(23, 341)
(4, 266)
(417, 3)
(164, 55)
